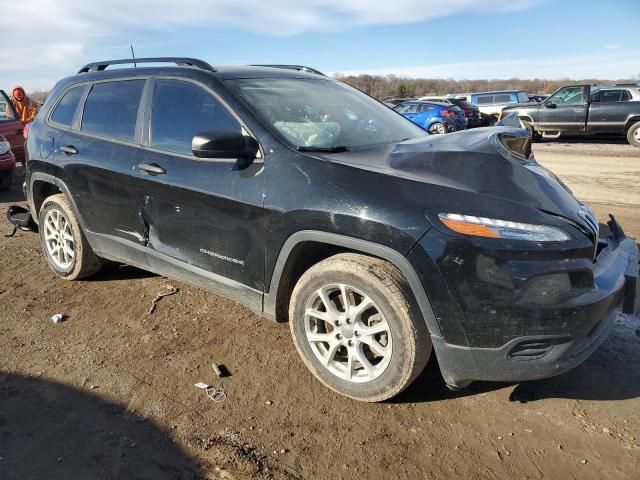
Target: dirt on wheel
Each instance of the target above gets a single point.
(109, 392)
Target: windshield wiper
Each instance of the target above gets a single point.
(339, 149)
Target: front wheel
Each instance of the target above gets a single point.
(356, 327)
(633, 134)
(64, 245)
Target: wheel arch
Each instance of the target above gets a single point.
(43, 185)
(305, 248)
(631, 121)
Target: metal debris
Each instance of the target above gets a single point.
(59, 318)
(220, 370)
(215, 394)
(170, 291)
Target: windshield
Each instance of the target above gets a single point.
(323, 114)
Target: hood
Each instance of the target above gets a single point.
(493, 162)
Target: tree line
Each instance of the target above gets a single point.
(388, 86)
(382, 87)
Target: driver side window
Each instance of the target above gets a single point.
(567, 96)
(183, 109)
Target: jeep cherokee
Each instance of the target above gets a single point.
(309, 202)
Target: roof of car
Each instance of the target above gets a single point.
(182, 64)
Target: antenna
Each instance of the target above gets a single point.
(133, 55)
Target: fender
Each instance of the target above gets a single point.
(48, 178)
(358, 245)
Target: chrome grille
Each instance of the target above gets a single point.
(590, 219)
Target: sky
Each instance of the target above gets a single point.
(42, 41)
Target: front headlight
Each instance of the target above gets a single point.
(4, 147)
(492, 228)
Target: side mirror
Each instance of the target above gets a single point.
(550, 105)
(224, 144)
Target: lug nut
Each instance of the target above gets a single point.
(337, 323)
(339, 337)
(350, 343)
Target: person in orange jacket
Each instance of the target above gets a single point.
(26, 108)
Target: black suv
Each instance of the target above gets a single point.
(312, 203)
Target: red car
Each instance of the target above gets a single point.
(7, 164)
(10, 127)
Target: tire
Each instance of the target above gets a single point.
(58, 224)
(633, 134)
(6, 179)
(398, 344)
(437, 128)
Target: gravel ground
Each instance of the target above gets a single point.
(109, 392)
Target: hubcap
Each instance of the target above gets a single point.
(58, 238)
(636, 134)
(348, 333)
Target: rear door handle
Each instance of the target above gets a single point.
(151, 168)
(69, 150)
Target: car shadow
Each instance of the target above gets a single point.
(50, 430)
(119, 271)
(609, 374)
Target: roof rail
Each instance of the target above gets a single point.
(300, 68)
(179, 61)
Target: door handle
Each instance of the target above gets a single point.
(69, 150)
(151, 168)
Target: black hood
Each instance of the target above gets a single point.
(493, 162)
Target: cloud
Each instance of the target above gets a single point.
(610, 66)
(57, 36)
(613, 46)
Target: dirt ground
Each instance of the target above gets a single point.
(109, 392)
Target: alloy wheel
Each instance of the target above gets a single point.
(58, 238)
(348, 333)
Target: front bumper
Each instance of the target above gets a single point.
(517, 343)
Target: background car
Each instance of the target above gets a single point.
(435, 118)
(10, 127)
(469, 110)
(491, 104)
(7, 164)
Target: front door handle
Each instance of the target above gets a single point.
(69, 150)
(151, 168)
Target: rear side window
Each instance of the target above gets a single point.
(485, 99)
(111, 109)
(425, 108)
(66, 108)
(181, 110)
(523, 97)
(615, 96)
(502, 98)
(407, 108)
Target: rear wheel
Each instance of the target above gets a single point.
(64, 245)
(437, 128)
(356, 327)
(633, 134)
(6, 179)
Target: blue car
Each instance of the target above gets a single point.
(435, 118)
